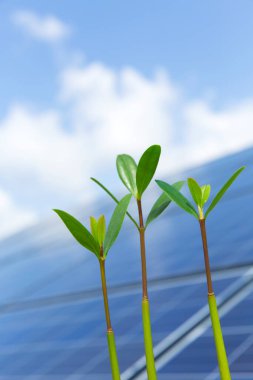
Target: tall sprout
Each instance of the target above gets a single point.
(136, 178)
(99, 241)
(200, 195)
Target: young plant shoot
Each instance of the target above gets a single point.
(136, 178)
(200, 195)
(99, 241)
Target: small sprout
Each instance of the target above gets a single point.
(200, 195)
(137, 177)
(99, 241)
(98, 237)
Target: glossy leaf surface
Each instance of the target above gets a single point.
(161, 204)
(195, 191)
(80, 233)
(94, 227)
(178, 198)
(146, 168)
(126, 167)
(116, 222)
(101, 230)
(206, 190)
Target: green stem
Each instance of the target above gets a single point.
(150, 360)
(151, 370)
(217, 332)
(110, 334)
(218, 338)
(113, 355)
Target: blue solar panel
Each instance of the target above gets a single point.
(51, 314)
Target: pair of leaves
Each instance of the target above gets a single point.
(87, 239)
(135, 177)
(98, 229)
(200, 194)
(159, 206)
(183, 202)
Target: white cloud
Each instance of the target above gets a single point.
(125, 111)
(103, 112)
(36, 145)
(47, 28)
(12, 216)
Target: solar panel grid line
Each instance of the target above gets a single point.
(51, 345)
(131, 332)
(156, 283)
(139, 366)
(13, 304)
(53, 362)
(60, 358)
(247, 289)
(239, 351)
(192, 328)
(139, 326)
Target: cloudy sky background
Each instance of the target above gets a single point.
(81, 82)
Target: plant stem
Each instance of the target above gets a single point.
(218, 338)
(217, 332)
(206, 256)
(104, 289)
(150, 361)
(110, 334)
(143, 252)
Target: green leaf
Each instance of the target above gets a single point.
(223, 190)
(116, 222)
(205, 189)
(178, 198)
(80, 233)
(195, 191)
(146, 168)
(115, 199)
(161, 204)
(126, 167)
(94, 227)
(101, 229)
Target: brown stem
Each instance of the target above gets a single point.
(206, 256)
(104, 289)
(143, 252)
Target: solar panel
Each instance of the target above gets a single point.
(51, 313)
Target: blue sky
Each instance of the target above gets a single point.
(205, 46)
(82, 81)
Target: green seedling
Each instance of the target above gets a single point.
(136, 178)
(200, 195)
(99, 241)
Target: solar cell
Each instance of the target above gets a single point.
(51, 312)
